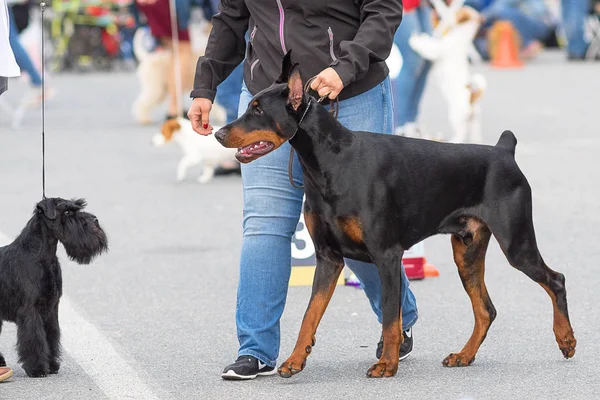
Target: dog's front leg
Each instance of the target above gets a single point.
(53, 337)
(32, 344)
(326, 275)
(389, 265)
(186, 162)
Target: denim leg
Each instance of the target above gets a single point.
(21, 56)
(406, 84)
(423, 14)
(377, 105)
(271, 211)
(228, 92)
(574, 13)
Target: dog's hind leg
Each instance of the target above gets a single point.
(2, 361)
(470, 247)
(53, 337)
(512, 225)
(32, 344)
(389, 265)
(328, 270)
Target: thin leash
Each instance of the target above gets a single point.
(43, 62)
(333, 110)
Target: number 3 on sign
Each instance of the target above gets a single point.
(302, 245)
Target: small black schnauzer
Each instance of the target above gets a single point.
(31, 282)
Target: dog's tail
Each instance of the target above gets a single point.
(140, 43)
(507, 141)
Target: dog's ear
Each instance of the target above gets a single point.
(48, 208)
(79, 204)
(169, 127)
(295, 87)
(286, 68)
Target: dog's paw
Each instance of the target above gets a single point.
(458, 360)
(383, 369)
(204, 179)
(37, 373)
(567, 344)
(291, 366)
(54, 367)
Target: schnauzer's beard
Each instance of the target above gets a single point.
(84, 243)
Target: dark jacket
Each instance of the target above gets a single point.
(352, 36)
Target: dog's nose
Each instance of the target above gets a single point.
(220, 135)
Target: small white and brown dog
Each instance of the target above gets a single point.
(449, 52)
(197, 149)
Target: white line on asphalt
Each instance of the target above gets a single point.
(95, 354)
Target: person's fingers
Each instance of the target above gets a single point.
(334, 93)
(316, 83)
(205, 117)
(324, 90)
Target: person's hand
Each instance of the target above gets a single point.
(198, 115)
(327, 83)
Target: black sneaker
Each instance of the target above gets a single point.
(246, 367)
(405, 347)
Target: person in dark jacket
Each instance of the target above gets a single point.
(345, 45)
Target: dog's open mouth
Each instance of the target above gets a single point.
(254, 150)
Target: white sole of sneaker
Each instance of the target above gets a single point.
(232, 376)
(404, 357)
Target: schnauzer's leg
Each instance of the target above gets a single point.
(390, 272)
(469, 256)
(32, 345)
(516, 236)
(53, 336)
(2, 361)
(327, 272)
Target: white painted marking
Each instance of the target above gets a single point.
(95, 354)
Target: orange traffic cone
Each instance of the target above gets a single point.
(504, 43)
(431, 271)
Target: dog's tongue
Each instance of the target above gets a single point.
(253, 148)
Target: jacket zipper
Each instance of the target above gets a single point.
(252, 68)
(330, 32)
(257, 60)
(281, 21)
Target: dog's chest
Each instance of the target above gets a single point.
(51, 285)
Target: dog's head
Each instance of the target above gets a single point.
(167, 131)
(78, 231)
(272, 117)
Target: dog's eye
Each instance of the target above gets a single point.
(67, 213)
(258, 111)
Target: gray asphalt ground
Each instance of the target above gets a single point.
(154, 318)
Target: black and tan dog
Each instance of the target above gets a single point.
(370, 197)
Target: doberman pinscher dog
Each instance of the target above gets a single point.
(370, 197)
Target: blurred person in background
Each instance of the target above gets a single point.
(409, 85)
(158, 17)
(23, 59)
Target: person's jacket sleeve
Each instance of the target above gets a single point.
(373, 41)
(225, 49)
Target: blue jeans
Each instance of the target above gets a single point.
(409, 85)
(271, 211)
(574, 13)
(21, 56)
